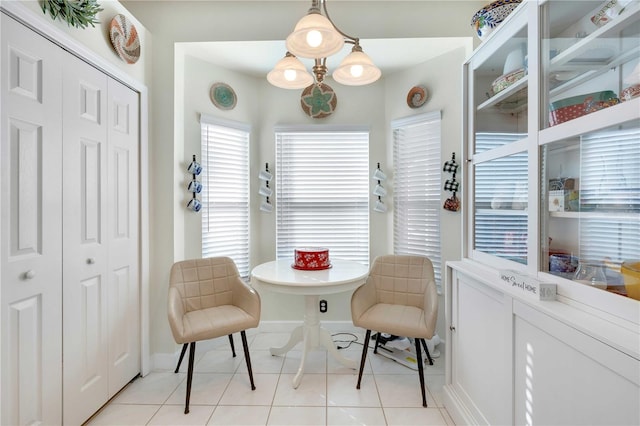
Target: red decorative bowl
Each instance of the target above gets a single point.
(577, 106)
(630, 92)
(311, 258)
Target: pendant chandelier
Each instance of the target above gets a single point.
(316, 37)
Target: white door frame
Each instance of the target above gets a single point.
(21, 13)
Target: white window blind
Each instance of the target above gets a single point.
(417, 188)
(225, 192)
(501, 187)
(322, 192)
(610, 183)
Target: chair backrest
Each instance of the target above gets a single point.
(205, 283)
(403, 280)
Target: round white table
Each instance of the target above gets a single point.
(279, 276)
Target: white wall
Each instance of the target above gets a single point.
(97, 38)
(171, 229)
(443, 78)
(264, 106)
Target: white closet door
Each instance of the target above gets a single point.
(85, 259)
(30, 227)
(122, 212)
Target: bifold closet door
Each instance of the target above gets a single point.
(100, 244)
(30, 227)
(123, 291)
(85, 254)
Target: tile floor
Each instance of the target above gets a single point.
(327, 395)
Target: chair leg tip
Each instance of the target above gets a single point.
(186, 411)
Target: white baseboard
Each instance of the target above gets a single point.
(458, 410)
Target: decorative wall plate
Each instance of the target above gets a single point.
(124, 38)
(223, 96)
(318, 100)
(417, 96)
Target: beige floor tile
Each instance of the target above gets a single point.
(239, 390)
(234, 415)
(414, 416)
(124, 415)
(312, 391)
(155, 388)
(355, 416)
(174, 415)
(297, 416)
(341, 391)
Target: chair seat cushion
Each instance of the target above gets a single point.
(397, 320)
(215, 322)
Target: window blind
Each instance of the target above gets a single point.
(500, 198)
(225, 192)
(610, 182)
(417, 188)
(322, 192)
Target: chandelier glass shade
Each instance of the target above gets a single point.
(316, 37)
(290, 73)
(357, 69)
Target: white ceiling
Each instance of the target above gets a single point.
(257, 58)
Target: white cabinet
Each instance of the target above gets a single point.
(518, 361)
(70, 240)
(551, 183)
(479, 346)
(562, 376)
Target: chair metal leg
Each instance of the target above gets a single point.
(192, 352)
(365, 346)
(375, 348)
(420, 371)
(184, 349)
(426, 349)
(247, 358)
(233, 349)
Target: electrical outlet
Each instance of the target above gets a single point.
(323, 306)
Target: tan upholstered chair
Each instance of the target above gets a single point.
(398, 298)
(207, 299)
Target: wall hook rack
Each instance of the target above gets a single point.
(266, 191)
(195, 187)
(379, 190)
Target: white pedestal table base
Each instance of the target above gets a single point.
(312, 335)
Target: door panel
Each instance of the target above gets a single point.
(30, 226)
(85, 262)
(124, 296)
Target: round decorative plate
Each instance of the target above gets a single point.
(417, 96)
(223, 96)
(318, 100)
(124, 38)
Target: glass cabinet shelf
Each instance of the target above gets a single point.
(512, 99)
(554, 155)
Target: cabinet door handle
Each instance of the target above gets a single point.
(29, 274)
(91, 260)
(452, 328)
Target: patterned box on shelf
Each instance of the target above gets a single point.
(577, 106)
(564, 200)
